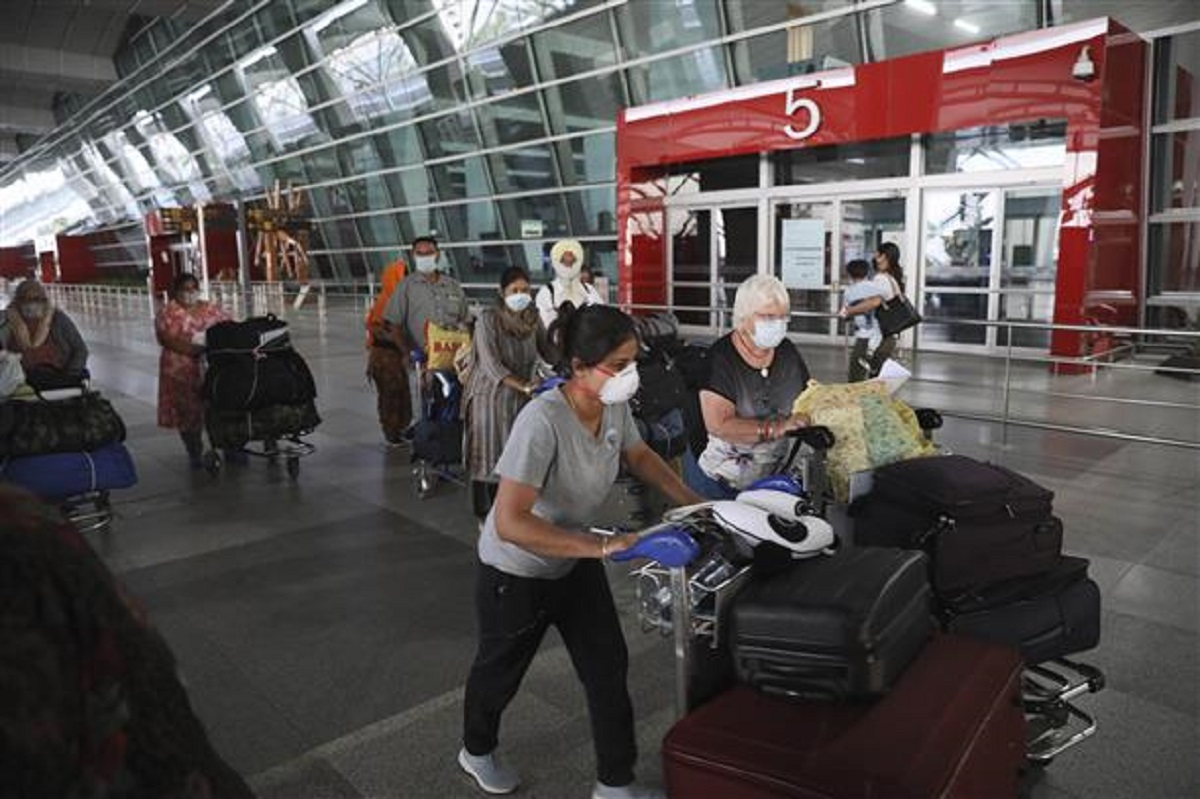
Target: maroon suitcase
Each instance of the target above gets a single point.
(952, 726)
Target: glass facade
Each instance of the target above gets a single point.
(491, 122)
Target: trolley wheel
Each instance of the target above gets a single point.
(293, 467)
(212, 462)
(426, 481)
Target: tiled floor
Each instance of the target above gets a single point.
(324, 624)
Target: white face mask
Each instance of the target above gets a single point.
(33, 310)
(621, 387)
(425, 263)
(517, 302)
(769, 333)
(567, 273)
(189, 298)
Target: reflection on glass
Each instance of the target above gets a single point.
(37, 203)
(807, 300)
(585, 104)
(376, 73)
(958, 237)
(589, 159)
(887, 158)
(988, 149)
(137, 169)
(1177, 76)
(1176, 175)
(277, 97)
(697, 72)
(691, 264)
(738, 172)
(1030, 256)
(866, 224)
(172, 157)
(1026, 307)
(797, 51)
(224, 142)
(1175, 257)
(469, 23)
(899, 29)
(111, 186)
(953, 306)
(655, 27)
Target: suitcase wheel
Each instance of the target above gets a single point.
(212, 462)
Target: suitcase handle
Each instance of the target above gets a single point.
(928, 419)
(818, 437)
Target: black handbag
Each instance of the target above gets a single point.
(896, 315)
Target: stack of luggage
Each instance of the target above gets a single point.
(66, 447)
(902, 665)
(257, 388)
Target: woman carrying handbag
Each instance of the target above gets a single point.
(893, 311)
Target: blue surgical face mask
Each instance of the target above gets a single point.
(769, 333)
(518, 302)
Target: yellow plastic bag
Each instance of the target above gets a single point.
(871, 428)
(442, 344)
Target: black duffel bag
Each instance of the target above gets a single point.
(40, 427)
(248, 382)
(233, 429)
(660, 388)
(256, 333)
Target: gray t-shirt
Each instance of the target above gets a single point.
(550, 449)
(418, 300)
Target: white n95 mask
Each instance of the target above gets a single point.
(621, 387)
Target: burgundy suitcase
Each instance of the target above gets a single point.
(952, 726)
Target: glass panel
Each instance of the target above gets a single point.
(585, 104)
(1177, 77)
(655, 27)
(906, 28)
(453, 134)
(868, 223)
(1030, 256)
(818, 301)
(696, 72)
(737, 252)
(887, 158)
(458, 180)
(224, 142)
(953, 305)
(277, 95)
(958, 237)
(580, 46)
(545, 208)
(1026, 308)
(471, 221)
(499, 70)
(1175, 257)
(1176, 159)
(740, 172)
(691, 262)
(171, 156)
(797, 51)
(593, 211)
(591, 159)
(513, 120)
(526, 169)
(376, 74)
(1017, 146)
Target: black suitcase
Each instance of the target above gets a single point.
(439, 443)
(833, 627)
(1047, 616)
(251, 382)
(256, 333)
(979, 522)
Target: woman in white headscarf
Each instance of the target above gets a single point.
(567, 258)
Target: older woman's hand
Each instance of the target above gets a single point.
(795, 422)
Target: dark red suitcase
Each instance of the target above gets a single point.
(952, 726)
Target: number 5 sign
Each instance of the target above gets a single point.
(795, 104)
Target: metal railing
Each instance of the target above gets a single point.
(356, 297)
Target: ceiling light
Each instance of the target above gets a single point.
(922, 6)
(969, 27)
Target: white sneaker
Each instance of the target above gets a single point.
(631, 791)
(491, 775)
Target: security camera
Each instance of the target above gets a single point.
(1085, 68)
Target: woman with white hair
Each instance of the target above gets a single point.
(756, 375)
(567, 258)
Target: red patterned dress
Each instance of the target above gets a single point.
(180, 379)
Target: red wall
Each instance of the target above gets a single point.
(17, 262)
(76, 264)
(1019, 78)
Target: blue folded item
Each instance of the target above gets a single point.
(69, 474)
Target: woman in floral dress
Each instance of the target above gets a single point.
(180, 378)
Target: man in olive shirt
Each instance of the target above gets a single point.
(425, 295)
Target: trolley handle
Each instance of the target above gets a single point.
(819, 437)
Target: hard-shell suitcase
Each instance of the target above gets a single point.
(952, 727)
(979, 522)
(838, 626)
(1047, 616)
(69, 474)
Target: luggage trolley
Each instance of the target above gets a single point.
(1051, 688)
(78, 482)
(272, 429)
(437, 443)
